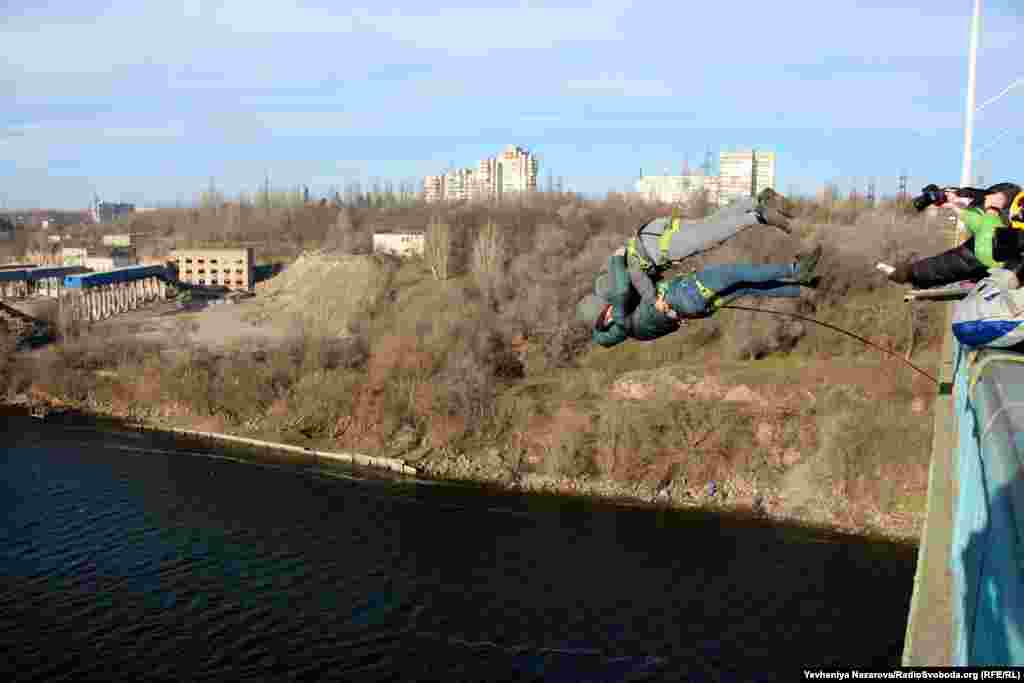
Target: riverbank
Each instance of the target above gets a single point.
(493, 467)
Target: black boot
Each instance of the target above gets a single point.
(901, 275)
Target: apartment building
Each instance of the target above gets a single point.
(512, 171)
(231, 268)
(517, 171)
(737, 174)
(433, 188)
(458, 184)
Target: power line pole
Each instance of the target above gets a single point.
(972, 72)
(901, 192)
(753, 172)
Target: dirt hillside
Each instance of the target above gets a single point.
(309, 288)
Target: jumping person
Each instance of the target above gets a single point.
(663, 242)
(616, 315)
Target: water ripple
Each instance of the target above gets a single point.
(124, 558)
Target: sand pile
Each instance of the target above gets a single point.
(324, 291)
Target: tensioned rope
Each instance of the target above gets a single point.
(832, 327)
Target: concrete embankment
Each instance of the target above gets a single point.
(393, 464)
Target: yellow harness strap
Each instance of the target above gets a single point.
(634, 255)
(664, 240)
(709, 295)
(666, 237)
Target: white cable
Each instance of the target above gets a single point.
(1019, 81)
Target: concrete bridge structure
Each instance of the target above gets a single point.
(97, 296)
(27, 281)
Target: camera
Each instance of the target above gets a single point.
(931, 194)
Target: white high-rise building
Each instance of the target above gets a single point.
(737, 177)
(513, 171)
(457, 184)
(433, 188)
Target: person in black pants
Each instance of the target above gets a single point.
(960, 262)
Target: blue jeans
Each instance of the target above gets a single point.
(729, 282)
(740, 279)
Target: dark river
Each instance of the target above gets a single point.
(128, 556)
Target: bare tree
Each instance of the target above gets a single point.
(342, 235)
(437, 248)
(488, 262)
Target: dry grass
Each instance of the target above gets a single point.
(327, 293)
(478, 362)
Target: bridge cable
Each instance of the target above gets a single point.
(837, 329)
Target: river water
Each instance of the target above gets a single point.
(130, 556)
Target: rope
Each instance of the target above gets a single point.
(837, 329)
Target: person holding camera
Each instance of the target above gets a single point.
(984, 213)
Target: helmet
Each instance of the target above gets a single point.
(1017, 211)
(591, 310)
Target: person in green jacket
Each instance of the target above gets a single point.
(616, 313)
(983, 213)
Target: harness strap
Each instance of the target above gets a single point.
(639, 252)
(710, 296)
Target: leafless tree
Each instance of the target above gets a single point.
(437, 248)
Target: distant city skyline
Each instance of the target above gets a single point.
(169, 94)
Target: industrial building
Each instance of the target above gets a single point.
(73, 256)
(399, 242)
(105, 212)
(673, 189)
(123, 240)
(107, 259)
(231, 268)
(511, 172)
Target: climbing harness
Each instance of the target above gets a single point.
(637, 250)
(837, 329)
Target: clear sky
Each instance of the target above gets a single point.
(145, 101)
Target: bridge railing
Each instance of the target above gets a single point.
(987, 547)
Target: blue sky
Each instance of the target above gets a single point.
(145, 101)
